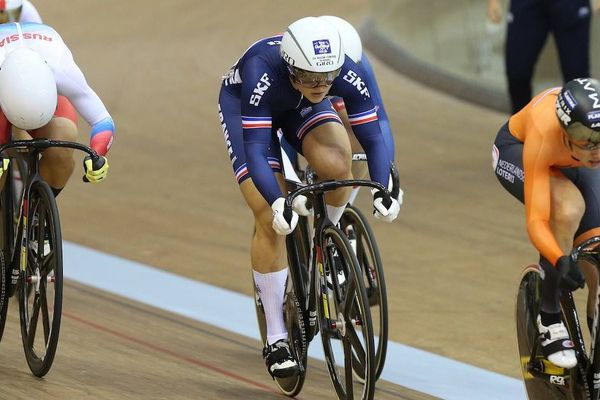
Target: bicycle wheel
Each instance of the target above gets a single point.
(526, 312)
(6, 230)
(40, 292)
(345, 318)
(362, 239)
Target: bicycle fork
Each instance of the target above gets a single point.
(18, 265)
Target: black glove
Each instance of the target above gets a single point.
(571, 276)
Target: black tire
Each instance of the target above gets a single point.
(350, 330)
(41, 283)
(369, 260)
(6, 230)
(526, 311)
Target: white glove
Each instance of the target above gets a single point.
(280, 224)
(299, 205)
(387, 214)
(400, 197)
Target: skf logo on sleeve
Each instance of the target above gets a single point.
(305, 111)
(259, 91)
(359, 84)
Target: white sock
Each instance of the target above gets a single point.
(335, 213)
(271, 289)
(353, 194)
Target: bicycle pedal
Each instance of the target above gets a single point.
(541, 365)
(552, 369)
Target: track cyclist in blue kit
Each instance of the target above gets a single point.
(353, 49)
(282, 82)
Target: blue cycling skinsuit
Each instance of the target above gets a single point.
(257, 98)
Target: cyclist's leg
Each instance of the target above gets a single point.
(567, 207)
(321, 138)
(360, 170)
(57, 164)
(588, 182)
(267, 251)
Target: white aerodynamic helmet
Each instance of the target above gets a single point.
(350, 38)
(312, 44)
(28, 93)
(10, 10)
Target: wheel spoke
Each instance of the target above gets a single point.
(356, 344)
(349, 300)
(40, 232)
(348, 368)
(45, 264)
(35, 313)
(45, 312)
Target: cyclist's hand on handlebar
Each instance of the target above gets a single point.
(3, 165)
(280, 224)
(95, 172)
(302, 206)
(571, 276)
(384, 211)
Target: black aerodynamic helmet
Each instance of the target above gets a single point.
(578, 109)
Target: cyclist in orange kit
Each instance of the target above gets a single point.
(547, 156)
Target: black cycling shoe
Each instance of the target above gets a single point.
(279, 359)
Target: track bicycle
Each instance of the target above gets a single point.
(31, 257)
(362, 239)
(543, 380)
(327, 294)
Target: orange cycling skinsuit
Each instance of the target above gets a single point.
(557, 134)
(533, 144)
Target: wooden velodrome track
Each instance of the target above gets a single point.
(452, 258)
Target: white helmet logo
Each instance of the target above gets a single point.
(322, 47)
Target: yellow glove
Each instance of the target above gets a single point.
(95, 172)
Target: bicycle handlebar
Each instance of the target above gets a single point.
(40, 144)
(393, 173)
(327, 186)
(43, 143)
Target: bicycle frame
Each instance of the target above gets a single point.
(33, 270)
(316, 193)
(29, 151)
